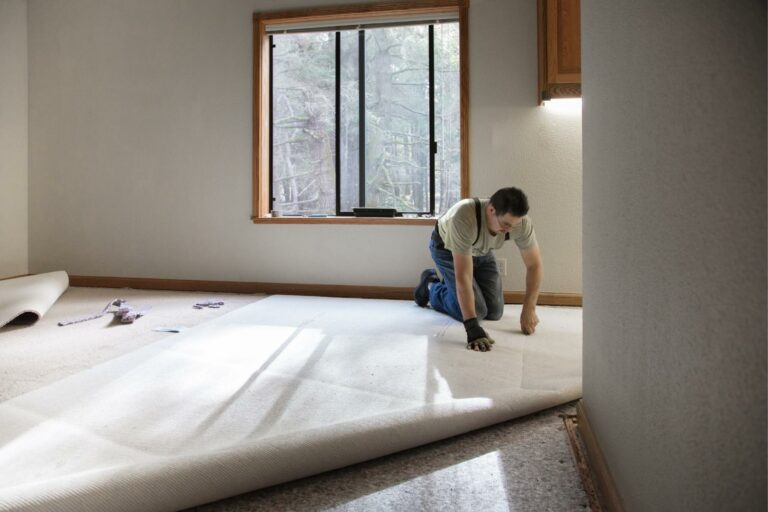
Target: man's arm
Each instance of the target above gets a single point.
(477, 338)
(462, 265)
(533, 274)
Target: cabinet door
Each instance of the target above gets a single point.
(559, 49)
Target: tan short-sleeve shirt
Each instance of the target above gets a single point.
(458, 229)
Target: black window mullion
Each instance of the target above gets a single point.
(361, 112)
(432, 142)
(338, 123)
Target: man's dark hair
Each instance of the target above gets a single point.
(510, 200)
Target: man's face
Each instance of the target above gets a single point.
(503, 223)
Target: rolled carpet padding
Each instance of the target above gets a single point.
(28, 298)
(280, 389)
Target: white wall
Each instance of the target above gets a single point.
(675, 249)
(515, 142)
(140, 150)
(13, 139)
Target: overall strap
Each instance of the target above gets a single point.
(479, 222)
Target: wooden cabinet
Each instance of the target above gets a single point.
(559, 49)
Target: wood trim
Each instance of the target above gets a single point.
(557, 91)
(260, 162)
(323, 290)
(606, 488)
(15, 277)
(387, 221)
(464, 95)
(373, 10)
(541, 43)
(256, 163)
(260, 119)
(546, 298)
(145, 283)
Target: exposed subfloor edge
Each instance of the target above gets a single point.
(582, 461)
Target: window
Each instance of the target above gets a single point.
(360, 107)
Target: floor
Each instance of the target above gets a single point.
(521, 465)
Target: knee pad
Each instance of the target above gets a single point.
(494, 308)
(494, 315)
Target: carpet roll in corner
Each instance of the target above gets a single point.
(28, 298)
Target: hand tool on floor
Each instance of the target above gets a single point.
(125, 312)
(214, 304)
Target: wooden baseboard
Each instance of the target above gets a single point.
(324, 290)
(14, 277)
(606, 488)
(546, 298)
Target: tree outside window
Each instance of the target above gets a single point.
(392, 128)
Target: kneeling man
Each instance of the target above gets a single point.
(462, 246)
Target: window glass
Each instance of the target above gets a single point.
(350, 121)
(304, 123)
(395, 120)
(447, 117)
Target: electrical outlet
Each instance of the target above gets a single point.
(502, 264)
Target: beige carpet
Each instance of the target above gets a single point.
(28, 298)
(32, 356)
(279, 389)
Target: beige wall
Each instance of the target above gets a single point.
(13, 138)
(140, 159)
(675, 249)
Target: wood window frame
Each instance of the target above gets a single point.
(260, 212)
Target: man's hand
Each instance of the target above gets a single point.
(528, 320)
(477, 338)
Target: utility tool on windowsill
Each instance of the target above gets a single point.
(375, 212)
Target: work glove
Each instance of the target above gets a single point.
(477, 338)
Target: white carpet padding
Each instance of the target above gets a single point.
(32, 295)
(280, 389)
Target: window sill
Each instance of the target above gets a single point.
(408, 221)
